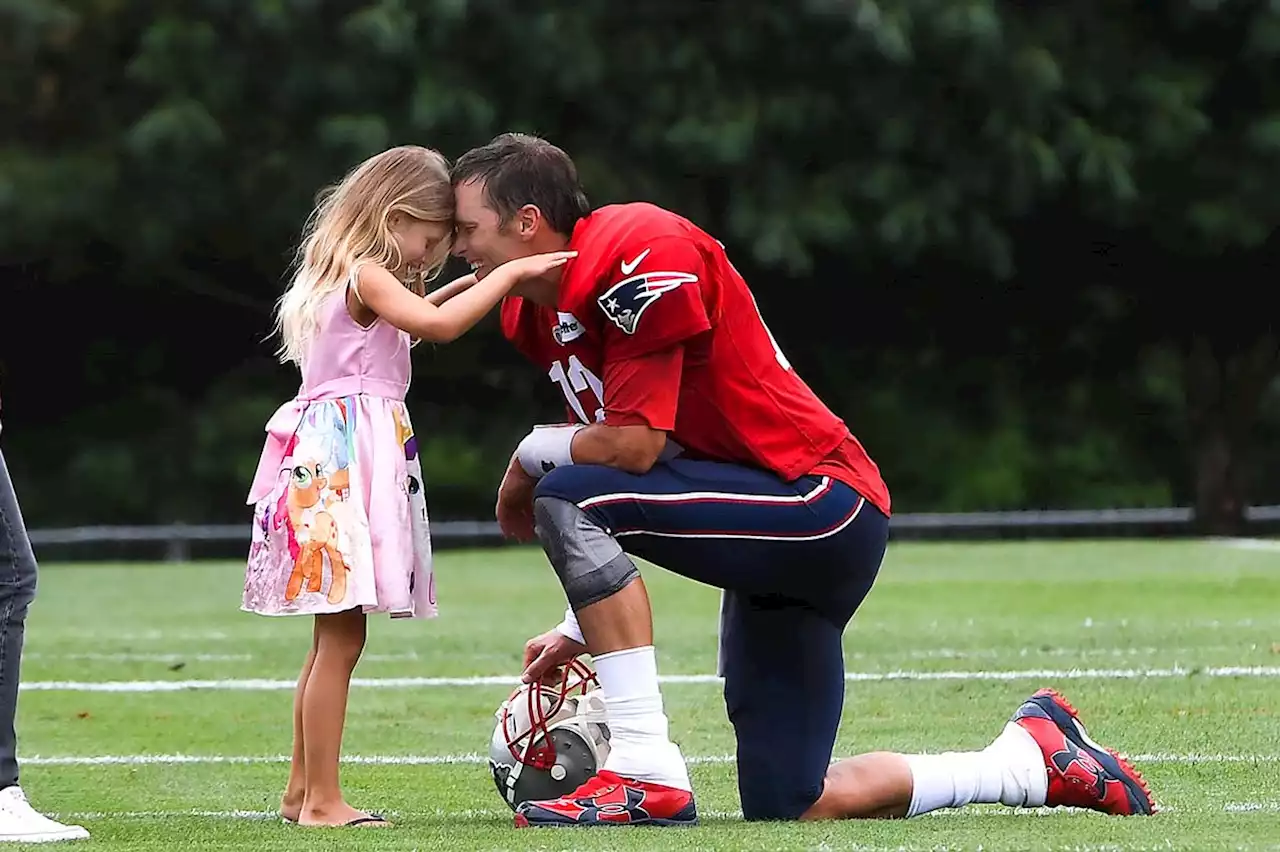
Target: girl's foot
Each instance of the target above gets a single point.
(290, 806)
(340, 815)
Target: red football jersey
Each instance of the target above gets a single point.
(654, 325)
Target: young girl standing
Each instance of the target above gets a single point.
(340, 519)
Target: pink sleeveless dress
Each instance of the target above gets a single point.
(339, 504)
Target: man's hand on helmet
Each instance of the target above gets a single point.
(544, 655)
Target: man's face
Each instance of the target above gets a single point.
(481, 240)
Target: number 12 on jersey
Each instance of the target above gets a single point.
(576, 379)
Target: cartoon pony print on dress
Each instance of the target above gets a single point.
(406, 438)
(281, 514)
(312, 506)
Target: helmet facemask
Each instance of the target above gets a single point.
(550, 737)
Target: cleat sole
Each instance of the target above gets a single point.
(522, 821)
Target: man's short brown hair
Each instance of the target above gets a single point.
(518, 169)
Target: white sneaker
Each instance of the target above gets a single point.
(21, 823)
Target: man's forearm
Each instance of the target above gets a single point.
(634, 449)
(630, 448)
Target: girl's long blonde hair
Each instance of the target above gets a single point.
(349, 226)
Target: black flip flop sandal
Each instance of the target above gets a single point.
(366, 819)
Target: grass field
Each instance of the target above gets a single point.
(155, 713)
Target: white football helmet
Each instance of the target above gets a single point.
(550, 737)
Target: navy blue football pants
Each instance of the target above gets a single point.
(795, 559)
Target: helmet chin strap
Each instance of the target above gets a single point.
(512, 777)
(591, 707)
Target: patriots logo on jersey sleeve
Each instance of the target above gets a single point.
(627, 300)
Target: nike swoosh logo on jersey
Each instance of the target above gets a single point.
(628, 268)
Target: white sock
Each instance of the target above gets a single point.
(639, 745)
(1010, 771)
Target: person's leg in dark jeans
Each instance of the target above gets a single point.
(17, 589)
(18, 821)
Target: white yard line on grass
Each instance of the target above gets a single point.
(128, 657)
(901, 653)
(465, 759)
(1008, 653)
(502, 813)
(473, 758)
(258, 684)
(157, 635)
(242, 635)
(74, 815)
(466, 814)
(1250, 543)
(964, 653)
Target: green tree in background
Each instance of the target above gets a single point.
(1023, 248)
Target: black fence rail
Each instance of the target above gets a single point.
(182, 542)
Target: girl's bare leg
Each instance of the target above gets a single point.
(296, 788)
(340, 641)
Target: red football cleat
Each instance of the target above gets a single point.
(609, 799)
(1082, 774)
